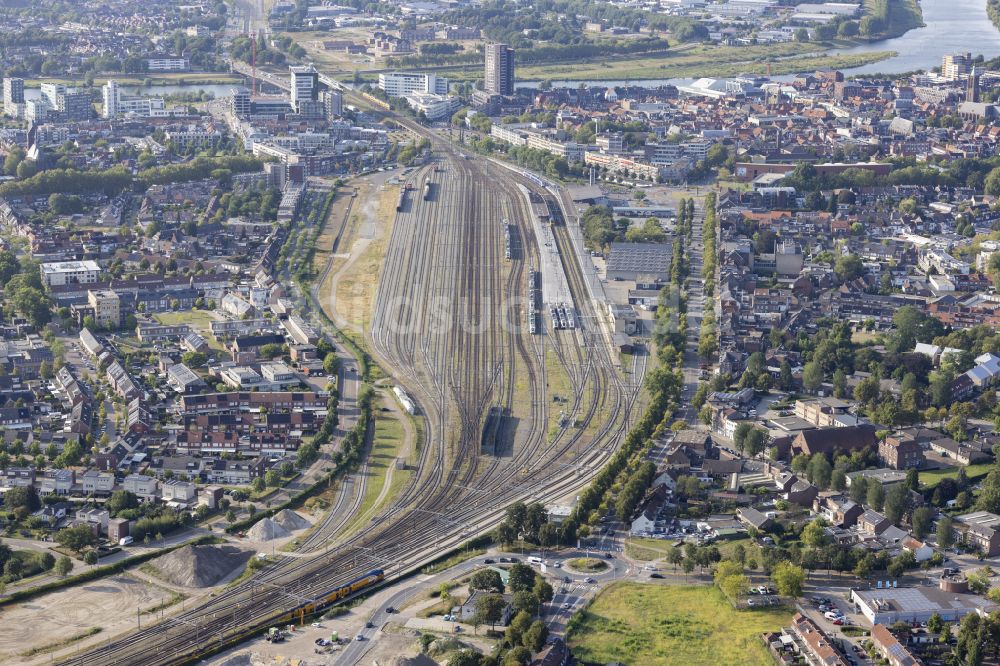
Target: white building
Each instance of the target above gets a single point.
(304, 85)
(58, 273)
(435, 107)
(401, 84)
(117, 104)
(168, 64)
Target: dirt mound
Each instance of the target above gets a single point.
(201, 566)
(291, 521)
(265, 530)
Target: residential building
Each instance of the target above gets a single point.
(13, 97)
(400, 84)
(97, 483)
(900, 452)
(106, 306)
(499, 69)
(982, 530)
(891, 649)
(143, 486)
(955, 66)
(815, 643)
(58, 273)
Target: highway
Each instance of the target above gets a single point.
(450, 248)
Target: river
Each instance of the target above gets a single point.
(952, 26)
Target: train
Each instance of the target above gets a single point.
(373, 577)
(402, 200)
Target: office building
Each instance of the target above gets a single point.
(168, 64)
(304, 84)
(400, 84)
(13, 97)
(499, 69)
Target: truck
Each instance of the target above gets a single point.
(274, 635)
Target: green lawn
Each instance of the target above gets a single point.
(198, 320)
(930, 478)
(659, 625)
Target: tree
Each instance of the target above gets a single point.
(22, 496)
(488, 580)
(542, 591)
(921, 521)
(489, 609)
(258, 484)
(75, 538)
(819, 471)
(63, 565)
(121, 500)
(272, 479)
(788, 578)
(944, 532)
(876, 496)
(740, 433)
(848, 267)
(935, 623)
(989, 495)
(194, 359)
(520, 578)
(838, 480)
(330, 363)
(814, 534)
(90, 557)
(897, 503)
(465, 658)
(812, 376)
(801, 35)
(534, 638)
(517, 628)
(755, 441)
(518, 656)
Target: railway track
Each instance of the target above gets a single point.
(452, 376)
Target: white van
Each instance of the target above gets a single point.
(125, 541)
(535, 560)
(832, 615)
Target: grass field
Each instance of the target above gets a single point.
(588, 564)
(386, 447)
(930, 478)
(198, 320)
(658, 625)
(786, 58)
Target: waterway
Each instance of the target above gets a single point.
(952, 26)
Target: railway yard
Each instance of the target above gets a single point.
(519, 399)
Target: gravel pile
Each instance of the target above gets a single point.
(266, 530)
(201, 566)
(291, 521)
